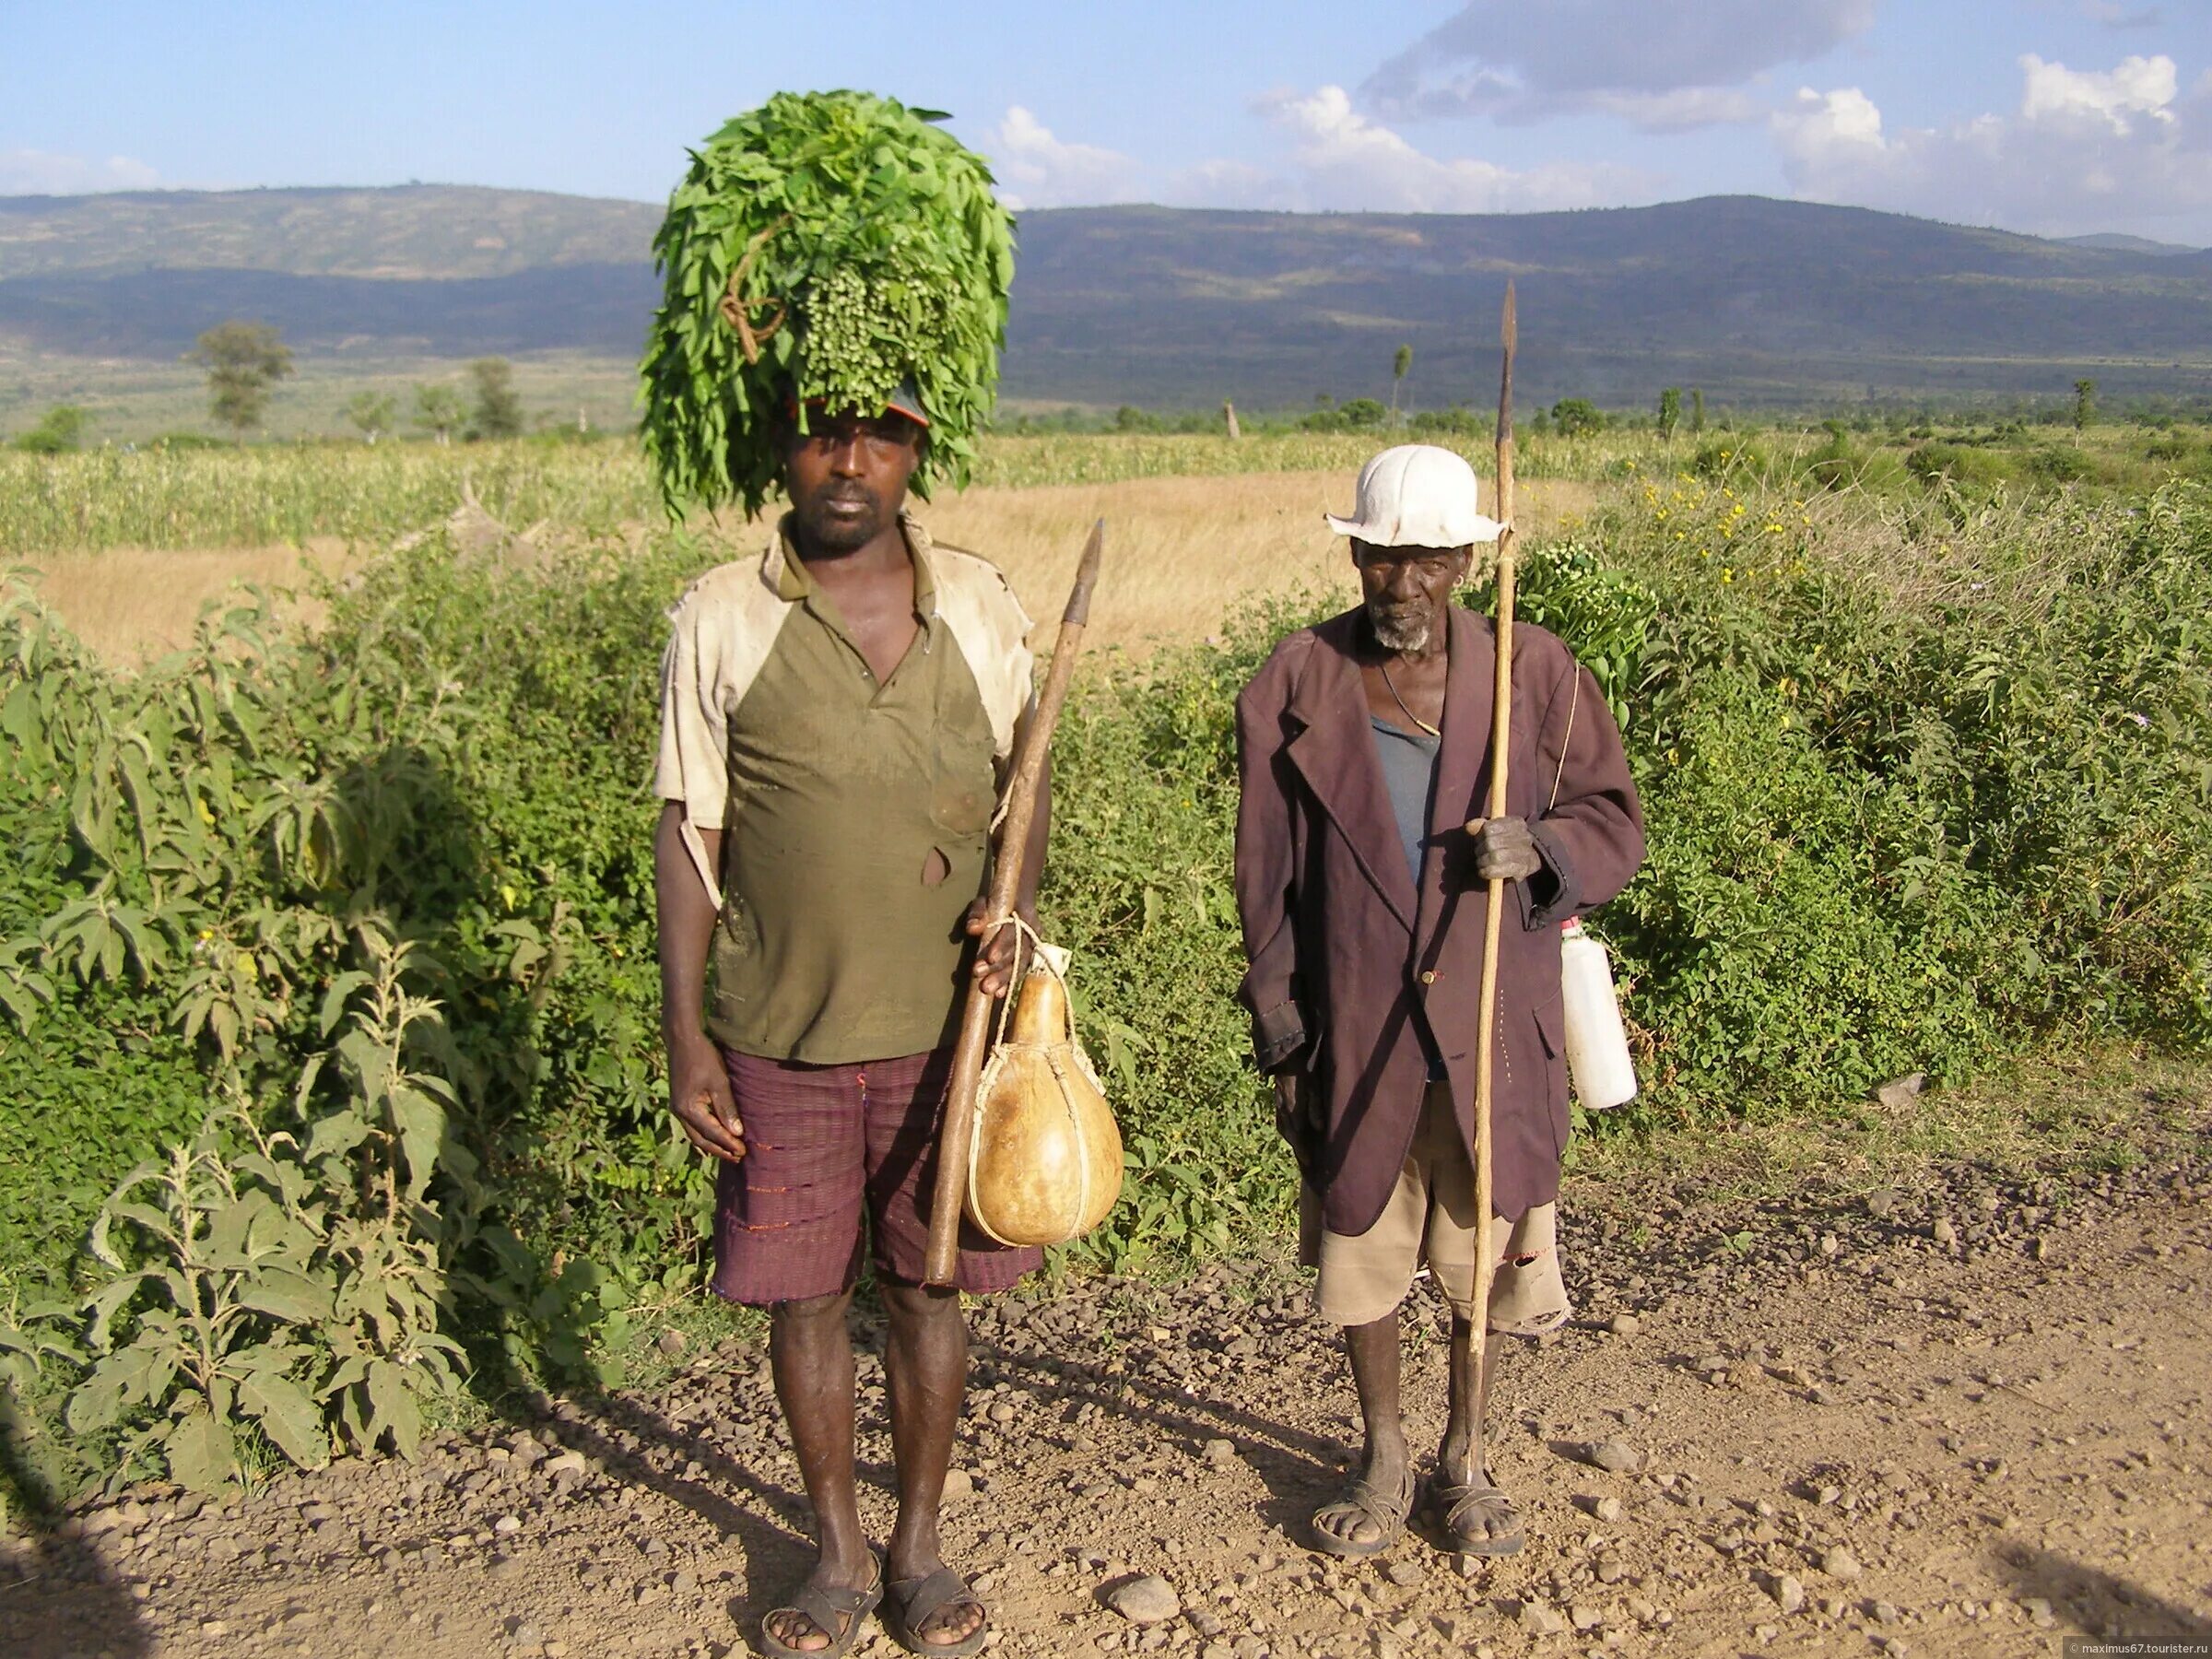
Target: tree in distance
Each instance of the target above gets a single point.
(60, 429)
(244, 362)
(1354, 415)
(499, 411)
(2085, 408)
(372, 413)
(1399, 365)
(438, 411)
(1697, 410)
(1670, 412)
(1575, 417)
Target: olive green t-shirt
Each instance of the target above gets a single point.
(856, 828)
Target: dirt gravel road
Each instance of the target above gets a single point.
(1967, 1418)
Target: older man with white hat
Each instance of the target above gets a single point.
(1364, 751)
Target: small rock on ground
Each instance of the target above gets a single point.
(1614, 1456)
(1149, 1600)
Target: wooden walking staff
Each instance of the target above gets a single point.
(1501, 713)
(958, 1131)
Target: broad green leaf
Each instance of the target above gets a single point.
(202, 1454)
(337, 1134)
(393, 1408)
(95, 1402)
(421, 1126)
(290, 1419)
(104, 1303)
(285, 1295)
(334, 999)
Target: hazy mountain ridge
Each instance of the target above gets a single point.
(1752, 298)
(396, 232)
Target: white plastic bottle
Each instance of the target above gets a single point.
(1598, 1046)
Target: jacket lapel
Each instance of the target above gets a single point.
(1462, 769)
(1336, 755)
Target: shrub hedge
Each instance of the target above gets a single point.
(1884, 837)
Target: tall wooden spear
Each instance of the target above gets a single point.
(956, 1135)
(1501, 713)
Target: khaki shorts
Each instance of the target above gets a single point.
(1430, 1217)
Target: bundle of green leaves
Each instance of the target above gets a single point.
(822, 248)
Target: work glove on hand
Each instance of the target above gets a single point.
(1504, 850)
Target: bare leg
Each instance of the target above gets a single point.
(1386, 1467)
(1461, 1461)
(925, 1370)
(812, 1355)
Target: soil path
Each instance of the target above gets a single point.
(1961, 1420)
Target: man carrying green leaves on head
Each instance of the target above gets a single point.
(838, 713)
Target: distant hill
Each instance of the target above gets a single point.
(2111, 241)
(1757, 302)
(403, 232)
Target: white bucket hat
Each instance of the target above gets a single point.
(1417, 496)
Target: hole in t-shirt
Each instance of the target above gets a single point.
(935, 868)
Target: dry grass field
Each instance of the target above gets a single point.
(130, 603)
(1182, 552)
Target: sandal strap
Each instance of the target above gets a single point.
(1455, 1501)
(836, 1610)
(1384, 1506)
(1386, 1510)
(922, 1599)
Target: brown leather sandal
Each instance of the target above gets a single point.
(1366, 1501)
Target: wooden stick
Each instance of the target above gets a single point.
(1501, 711)
(958, 1133)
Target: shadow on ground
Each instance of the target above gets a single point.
(2098, 1602)
(59, 1601)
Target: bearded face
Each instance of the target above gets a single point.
(1398, 625)
(1407, 593)
(847, 477)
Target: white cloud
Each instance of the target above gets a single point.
(1329, 157)
(1037, 170)
(2116, 150)
(1219, 184)
(1663, 67)
(1339, 160)
(41, 172)
(2140, 86)
(1829, 128)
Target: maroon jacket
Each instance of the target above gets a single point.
(1342, 945)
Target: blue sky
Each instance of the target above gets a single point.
(2058, 116)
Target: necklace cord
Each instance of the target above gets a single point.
(1389, 685)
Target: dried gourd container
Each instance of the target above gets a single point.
(1045, 1165)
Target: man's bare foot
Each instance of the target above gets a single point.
(1477, 1518)
(935, 1612)
(826, 1614)
(1372, 1514)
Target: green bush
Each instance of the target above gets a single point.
(1884, 838)
(2052, 463)
(1963, 467)
(1577, 417)
(59, 431)
(1731, 456)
